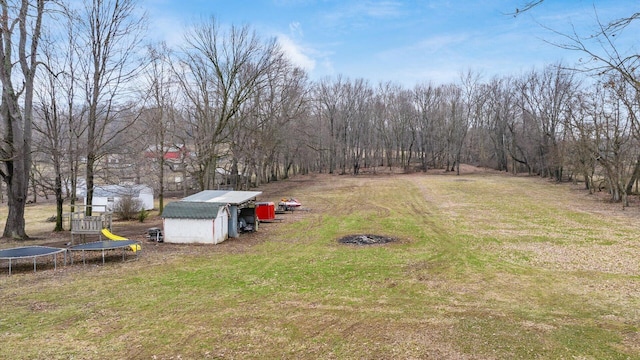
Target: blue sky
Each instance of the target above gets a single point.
(406, 42)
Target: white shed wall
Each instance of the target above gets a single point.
(221, 227)
(188, 231)
(146, 200)
(200, 231)
(99, 201)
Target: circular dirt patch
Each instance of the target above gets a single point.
(365, 239)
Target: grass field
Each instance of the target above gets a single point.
(484, 266)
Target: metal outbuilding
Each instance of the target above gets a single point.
(210, 216)
(109, 196)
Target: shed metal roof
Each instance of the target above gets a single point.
(120, 190)
(116, 190)
(191, 210)
(222, 196)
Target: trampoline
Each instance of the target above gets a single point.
(103, 246)
(34, 252)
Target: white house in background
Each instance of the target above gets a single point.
(110, 195)
(210, 216)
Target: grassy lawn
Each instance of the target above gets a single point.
(484, 267)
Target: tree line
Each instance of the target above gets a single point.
(89, 93)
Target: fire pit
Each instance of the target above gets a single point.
(365, 239)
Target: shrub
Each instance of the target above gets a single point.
(142, 215)
(127, 208)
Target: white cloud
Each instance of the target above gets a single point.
(296, 53)
(168, 29)
(327, 68)
(381, 9)
(440, 42)
(296, 29)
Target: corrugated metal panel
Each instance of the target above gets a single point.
(223, 196)
(191, 210)
(205, 195)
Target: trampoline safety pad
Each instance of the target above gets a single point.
(26, 252)
(103, 246)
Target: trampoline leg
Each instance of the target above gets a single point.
(34, 264)
(55, 261)
(102, 256)
(9, 266)
(83, 262)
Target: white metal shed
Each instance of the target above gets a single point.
(109, 195)
(195, 222)
(210, 216)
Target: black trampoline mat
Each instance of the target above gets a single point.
(29, 251)
(104, 245)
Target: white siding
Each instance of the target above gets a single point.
(221, 226)
(98, 202)
(188, 231)
(200, 231)
(146, 200)
(145, 195)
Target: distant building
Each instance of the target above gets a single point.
(108, 196)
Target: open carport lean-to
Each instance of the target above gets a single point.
(26, 252)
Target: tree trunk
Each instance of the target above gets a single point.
(59, 198)
(16, 112)
(634, 176)
(90, 183)
(161, 190)
(17, 169)
(15, 227)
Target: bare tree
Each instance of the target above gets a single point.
(583, 145)
(546, 96)
(20, 30)
(159, 119)
(388, 127)
(402, 117)
(50, 125)
(427, 102)
(267, 142)
(456, 123)
(67, 74)
(614, 147)
(328, 94)
(218, 74)
(111, 31)
(473, 99)
(360, 126)
(294, 110)
(498, 110)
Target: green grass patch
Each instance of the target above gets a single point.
(479, 269)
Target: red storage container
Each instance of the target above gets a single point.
(265, 210)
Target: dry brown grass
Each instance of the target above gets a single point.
(36, 217)
(486, 266)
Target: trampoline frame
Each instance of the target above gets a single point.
(104, 245)
(53, 251)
